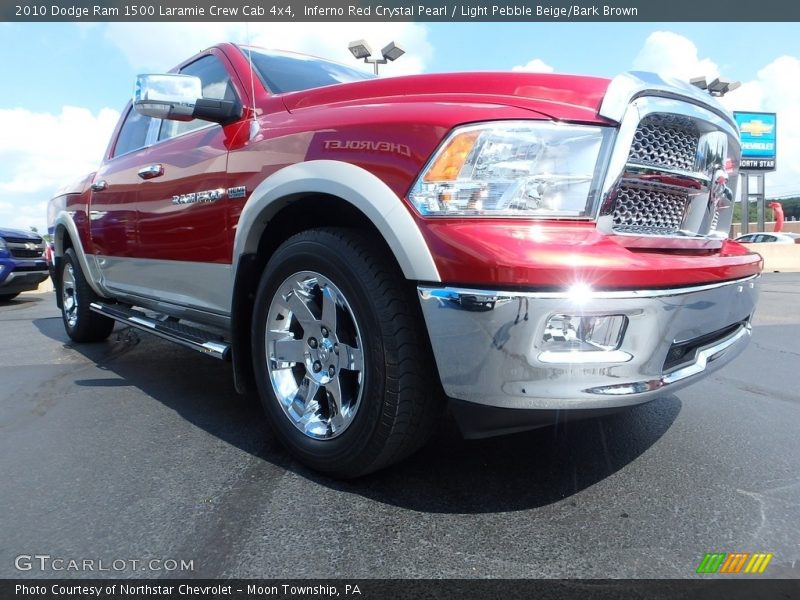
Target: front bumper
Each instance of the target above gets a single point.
(21, 281)
(488, 345)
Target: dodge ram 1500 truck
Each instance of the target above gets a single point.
(527, 246)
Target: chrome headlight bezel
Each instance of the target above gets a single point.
(479, 171)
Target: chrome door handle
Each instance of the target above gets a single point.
(151, 171)
(99, 186)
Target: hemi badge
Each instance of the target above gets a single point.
(239, 191)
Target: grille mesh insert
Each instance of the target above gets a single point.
(648, 211)
(667, 141)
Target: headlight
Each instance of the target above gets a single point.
(3, 244)
(513, 168)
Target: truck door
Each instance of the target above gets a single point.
(112, 210)
(184, 231)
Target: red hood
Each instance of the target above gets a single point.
(567, 97)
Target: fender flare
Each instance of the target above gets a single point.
(65, 224)
(351, 183)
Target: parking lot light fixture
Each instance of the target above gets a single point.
(718, 87)
(361, 51)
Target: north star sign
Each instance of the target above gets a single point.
(757, 132)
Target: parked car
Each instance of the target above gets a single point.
(22, 263)
(532, 247)
(762, 237)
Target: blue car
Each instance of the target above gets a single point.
(22, 263)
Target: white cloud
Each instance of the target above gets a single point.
(178, 41)
(40, 152)
(537, 65)
(673, 55)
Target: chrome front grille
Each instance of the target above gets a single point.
(666, 140)
(649, 211)
(672, 172)
(25, 248)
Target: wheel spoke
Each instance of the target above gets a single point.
(290, 350)
(297, 304)
(309, 389)
(335, 405)
(350, 358)
(329, 308)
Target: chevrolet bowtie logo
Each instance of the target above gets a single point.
(756, 127)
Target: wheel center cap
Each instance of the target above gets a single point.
(325, 349)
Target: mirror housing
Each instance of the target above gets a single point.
(170, 97)
(179, 98)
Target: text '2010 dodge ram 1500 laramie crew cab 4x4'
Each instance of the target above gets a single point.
(529, 246)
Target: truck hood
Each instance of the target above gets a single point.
(564, 97)
(19, 233)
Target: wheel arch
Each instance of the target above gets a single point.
(65, 235)
(351, 184)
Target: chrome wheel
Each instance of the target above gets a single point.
(69, 297)
(314, 355)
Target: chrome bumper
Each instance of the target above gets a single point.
(488, 344)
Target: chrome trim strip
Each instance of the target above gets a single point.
(706, 355)
(702, 361)
(494, 296)
(627, 87)
(572, 358)
(21, 274)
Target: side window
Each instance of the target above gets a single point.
(133, 134)
(216, 84)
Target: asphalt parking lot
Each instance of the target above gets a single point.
(136, 449)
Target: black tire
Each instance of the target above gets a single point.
(81, 323)
(8, 297)
(397, 394)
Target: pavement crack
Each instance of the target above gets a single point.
(778, 350)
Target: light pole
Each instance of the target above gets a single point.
(360, 49)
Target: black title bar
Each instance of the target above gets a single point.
(396, 589)
(398, 10)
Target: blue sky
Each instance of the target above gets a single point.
(61, 101)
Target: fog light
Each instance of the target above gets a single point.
(582, 339)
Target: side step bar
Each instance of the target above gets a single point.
(190, 337)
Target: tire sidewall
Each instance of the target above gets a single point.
(89, 326)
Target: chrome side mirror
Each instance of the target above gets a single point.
(170, 97)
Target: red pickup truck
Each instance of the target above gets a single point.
(531, 247)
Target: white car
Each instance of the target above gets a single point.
(767, 236)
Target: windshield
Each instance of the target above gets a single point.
(285, 72)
